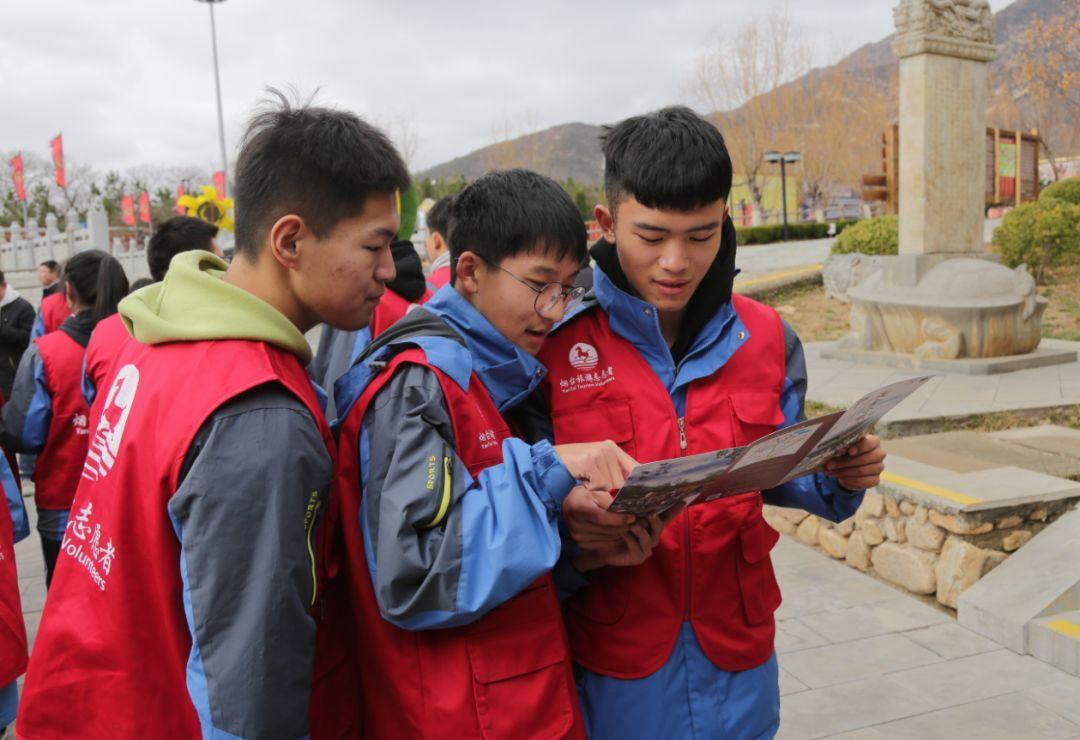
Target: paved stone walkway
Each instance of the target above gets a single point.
(863, 661)
(757, 261)
(31, 570)
(841, 382)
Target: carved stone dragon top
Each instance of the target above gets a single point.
(969, 20)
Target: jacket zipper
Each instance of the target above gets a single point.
(686, 534)
(687, 580)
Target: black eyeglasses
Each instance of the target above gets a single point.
(550, 296)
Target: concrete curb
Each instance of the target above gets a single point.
(755, 286)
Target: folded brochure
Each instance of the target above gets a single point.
(792, 452)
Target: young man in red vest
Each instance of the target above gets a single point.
(667, 362)
(182, 605)
(451, 524)
(436, 244)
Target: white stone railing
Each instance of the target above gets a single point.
(24, 248)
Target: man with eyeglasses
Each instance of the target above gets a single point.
(450, 523)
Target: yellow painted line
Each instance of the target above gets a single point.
(1065, 627)
(774, 276)
(960, 498)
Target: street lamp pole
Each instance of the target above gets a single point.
(783, 160)
(217, 89)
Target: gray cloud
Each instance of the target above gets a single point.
(129, 81)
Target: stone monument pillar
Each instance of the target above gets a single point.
(944, 47)
(940, 301)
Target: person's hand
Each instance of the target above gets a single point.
(634, 547)
(600, 466)
(859, 466)
(591, 525)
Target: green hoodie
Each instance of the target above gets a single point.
(193, 303)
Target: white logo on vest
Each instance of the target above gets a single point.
(110, 429)
(584, 356)
(82, 542)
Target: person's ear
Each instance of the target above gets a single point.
(606, 219)
(467, 277)
(285, 237)
(70, 295)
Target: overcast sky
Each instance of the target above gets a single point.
(129, 82)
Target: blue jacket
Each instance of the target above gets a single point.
(437, 563)
(689, 697)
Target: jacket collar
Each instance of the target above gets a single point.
(508, 373)
(636, 321)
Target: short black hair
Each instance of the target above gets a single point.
(507, 212)
(672, 159)
(98, 280)
(2, 278)
(318, 163)
(178, 234)
(438, 218)
(53, 265)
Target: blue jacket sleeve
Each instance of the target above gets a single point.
(19, 523)
(246, 514)
(88, 390)
(28, 413)
(444, 548)
(39, 328)
(817, 493)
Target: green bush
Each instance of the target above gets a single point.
(410, 201)
(1067, 190)
(879, 235)
(775, 233)
(1040, 234)
(843, 224)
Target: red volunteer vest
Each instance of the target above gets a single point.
(60, 462)
(110, 659)
(54, 309)
(439, 278)
(109, 335)
(12, 627)
(712, 565)
(391, 308)
(507, 675)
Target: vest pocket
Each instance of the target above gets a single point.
(758, 414)
(595, 423)
(757, 581)
(521, 681)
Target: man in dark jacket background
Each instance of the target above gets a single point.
(16, 321)
(48, 274)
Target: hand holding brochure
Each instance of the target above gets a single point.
(782, 456)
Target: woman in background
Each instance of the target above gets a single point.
(47, 413)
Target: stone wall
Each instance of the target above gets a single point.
(921, 550)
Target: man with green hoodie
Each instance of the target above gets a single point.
(184, 594)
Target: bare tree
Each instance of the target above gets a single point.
(406, 138)
(1043, 83)
(735, 80)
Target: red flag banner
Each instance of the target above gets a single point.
(18, 178)
(181, 191)
(219, 183)
(57, 145)
(144, 207)
(127, 210)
